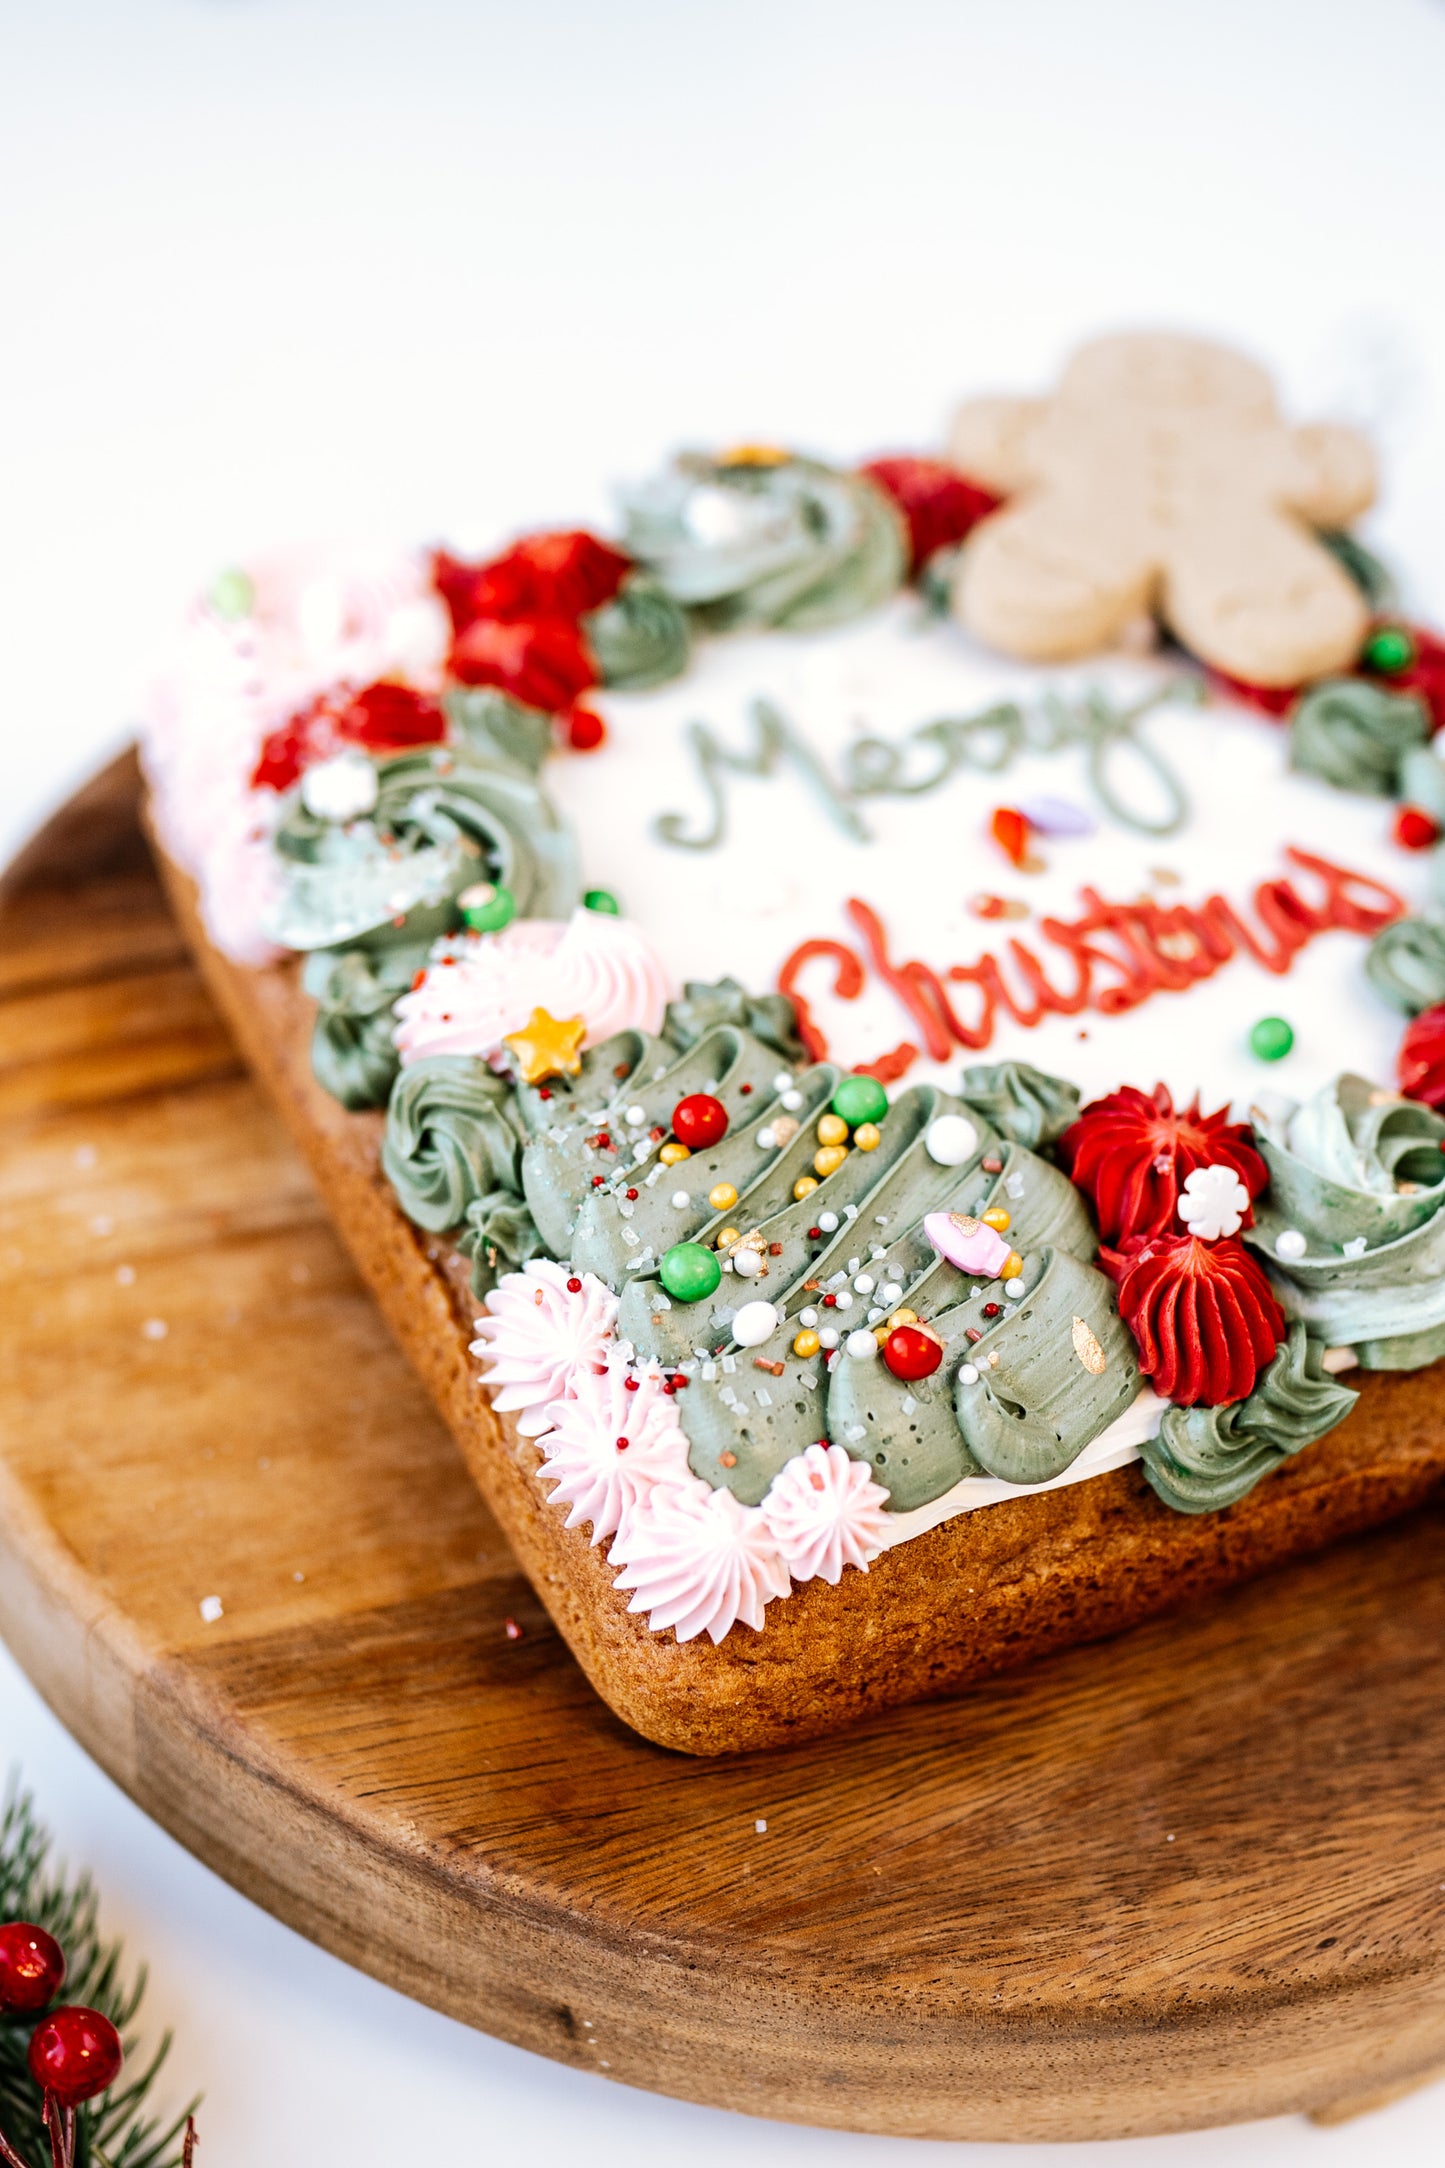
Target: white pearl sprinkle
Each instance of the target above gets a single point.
(891, 1293)
(792, 1100)
(827, 1337)
(680, 1200)
(767, 1138)
(755, 1323)
(637, 1114)
(968, 1375)
(864, 1283)
(748, 1263)
(843, 1300)
(808, 1317)
(1290, 1243)
(1013, 1289)
(862, 1346)
(951, 1140)
(782, 1080)
(828, 1221)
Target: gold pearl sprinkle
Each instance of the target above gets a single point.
(902, 1317)
(1013, 1265)
(672, 1153)
(998, 1219)
(806, 1344)
(829, 1160)
(722, 1196)
(804, 1185)
(728, 1237)
(832, 1129)
(867, 1136)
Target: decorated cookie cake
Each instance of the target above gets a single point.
(877, 1030)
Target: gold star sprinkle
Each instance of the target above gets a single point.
(1088, 1350)
(547, 1046)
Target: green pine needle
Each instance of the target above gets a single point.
(116, 2131)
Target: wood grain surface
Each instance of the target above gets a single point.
(1193, 1875)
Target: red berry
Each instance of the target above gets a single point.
(32, 1967)
(585, 729)
(1414, 829)
(75, 2054)
(699, 1121)
(910, 1352)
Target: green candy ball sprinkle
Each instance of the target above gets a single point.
(1271, 1038)
(233, 594)
(602, 899)
(1390, 649)
(689, 1272)
(859, 1099)
(487, 909)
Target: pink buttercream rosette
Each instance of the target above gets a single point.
(480, 988)
(611, 1444)
(538, 1338)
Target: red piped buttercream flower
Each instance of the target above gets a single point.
(1421, 1066)
(1203, 1316)
(1276, 700)
(939, 505)
(545, 664)
(1131, 1153)
(384, 718)
(542, 576)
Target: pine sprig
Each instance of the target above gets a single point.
(118, 2130)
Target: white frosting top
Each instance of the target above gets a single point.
(480, 987)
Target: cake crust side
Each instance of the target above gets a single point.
(978, 1594)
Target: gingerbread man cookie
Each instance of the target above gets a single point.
(1161, 478)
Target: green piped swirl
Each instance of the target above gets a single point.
(500, 1235)
(1020, 1101)
(1355, 735)
(353, 1048)
(640, 637)
(1359, 1174)
(452, 1138)
(1406, 963)
(443, 819)
(1205, 1458)
(787, 543)
(706, 1003)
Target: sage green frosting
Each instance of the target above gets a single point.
(497, 730)
(1422, 780)
(1355, 735)
(706, 1003)
(451, 1139)
(1359, 1174)
(353, 1049)
(499, 1236)
(1020, 1101)
(640, 637)
(788, 543)
(1205, 1458)
(559, 1162)
(1370, 574)
(443, 819)
(1406, 963)
(742, 1427)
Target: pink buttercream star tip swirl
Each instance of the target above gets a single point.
(478, 988)
(610, 1444)
(824, 1511)
(698, 1561)
(539, 1337)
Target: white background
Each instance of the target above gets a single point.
(271, 267)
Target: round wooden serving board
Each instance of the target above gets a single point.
(1194, 1875)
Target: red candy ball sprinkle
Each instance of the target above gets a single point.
(910, 1352)
(585, 729)
(699, 1121)
(1414, 829)
(32, 1967)
(75, 2054)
